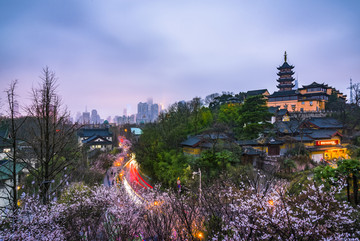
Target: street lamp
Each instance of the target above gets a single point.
(198, 172)
(200, 235)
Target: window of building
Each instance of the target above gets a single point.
(315, 89)
(293, 107)
(311, 103)
(303, 103)
(6, 150)
(302, 109)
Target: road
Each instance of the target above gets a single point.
(126, 170)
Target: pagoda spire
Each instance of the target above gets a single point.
(285, 74)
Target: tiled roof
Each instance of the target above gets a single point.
(96, 131)
(198, 139)
(315, 85)
(283, 93)
(136, 131)
(322, 133)
(273, 109)
(260, 142)
(287, 127)
(247, 142)
(191, 141)
(326, 122)
(273, 141)
(256, 92)
(95, 137)
(285, 65)
(303, 138)
(6, 167)
(282, 112)
(213, 136)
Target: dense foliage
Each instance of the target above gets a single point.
(159, 151)
(346, 172)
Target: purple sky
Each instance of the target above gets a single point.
(112, 54)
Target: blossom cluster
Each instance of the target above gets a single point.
(225, 212)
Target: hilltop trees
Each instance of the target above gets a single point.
(254, 117)
(247, 119)
(158, 150)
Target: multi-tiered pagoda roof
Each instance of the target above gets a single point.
(285, 76)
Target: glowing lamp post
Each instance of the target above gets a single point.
(200, 235)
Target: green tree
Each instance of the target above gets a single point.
(349, 169)
(326, 175)
(229, 114)
(254, 117)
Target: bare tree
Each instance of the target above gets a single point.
(51, 138)
(356, 93)
(14, 165)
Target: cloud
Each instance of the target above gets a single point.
(109, 54)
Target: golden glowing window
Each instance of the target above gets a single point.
(7, 150)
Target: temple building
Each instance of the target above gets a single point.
(308, 98)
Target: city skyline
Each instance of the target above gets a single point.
(146, 112)
(112, 55)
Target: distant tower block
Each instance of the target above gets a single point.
(285, 76)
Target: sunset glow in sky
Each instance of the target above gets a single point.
(112, 54)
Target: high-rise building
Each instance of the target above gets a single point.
(154, 112)
(78, 117)
(95, 117)
(147, 112)
(86, 117)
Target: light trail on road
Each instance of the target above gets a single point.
(130, 176)
(133, 195)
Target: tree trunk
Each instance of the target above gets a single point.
(355, 183)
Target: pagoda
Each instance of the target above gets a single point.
(285, 76)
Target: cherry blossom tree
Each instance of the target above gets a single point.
(225, 212)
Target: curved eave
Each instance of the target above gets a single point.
(287, 66)
(286, 73)
(315, 94)
(284, 80)
(284, 87)
(316, 85)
